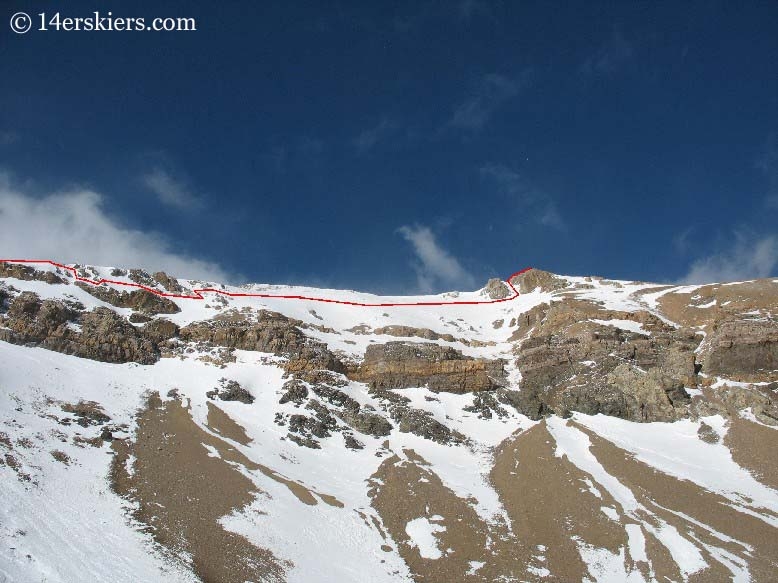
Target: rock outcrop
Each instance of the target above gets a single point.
(497, 289)
(399, 365)
(28, 273)
(270, 332)
(100, 334)
(160, 330)
(743, 350)
(229, 390)
(570, 362)
(141, 300)
(537, 279)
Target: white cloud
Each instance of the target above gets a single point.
(768, 164)
(489, 94)
(72, 227)
(550, 217)
(170, 191)
(749, 258)
(610, 57)
(522, 193)
(7, 138)
(368, 138)
(435, 266)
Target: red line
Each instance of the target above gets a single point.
(198, 292)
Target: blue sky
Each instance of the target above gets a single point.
(397, 147)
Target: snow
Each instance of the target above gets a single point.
(422, 533)
(475, 566)
(538, 571)
(575, 444)
(71, 519)
(637, 542)
(604, 566)
(610, 513)
(674, 449)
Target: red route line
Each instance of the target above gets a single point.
(198, 292)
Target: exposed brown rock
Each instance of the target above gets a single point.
(271, 332)
(406, 489)
(103, 334)
(398, 365)
(713, 303)
(743, 350)
(140, 300)
(571, 363)
(160, 330)
(497, 289)
(548, 502)
(28, 273)
(754, 446)
(537, 278)
(169, 283)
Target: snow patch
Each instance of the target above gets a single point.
(422, 532)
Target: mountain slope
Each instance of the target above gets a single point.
(587, 429)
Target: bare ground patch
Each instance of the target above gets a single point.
(182, 492)
(549, 501)
(755, 448)
(223, 424)
(667, 496)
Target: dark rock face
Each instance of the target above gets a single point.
(272, 332)
(140, 300)
(103, 334)
(352, 443)
(160, 330)
(570, 363)
(398, 365)
(137, 318)
(486, 406)
(229, 390)
(763, 401)
(423, 424)
(303, 429)
(405, 331)
(336, 397)
(367, 422)
(743, 350)
(295, 392)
